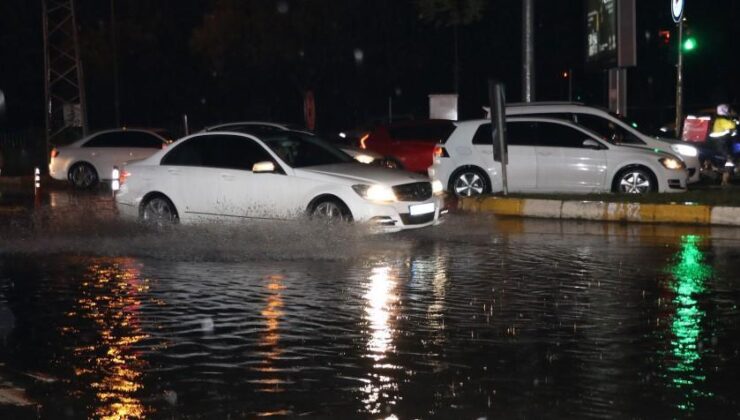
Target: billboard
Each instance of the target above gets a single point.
(601, 32)
(610, 33)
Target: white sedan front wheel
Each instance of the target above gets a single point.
(331, 210)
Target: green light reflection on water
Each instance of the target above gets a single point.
(689, 274)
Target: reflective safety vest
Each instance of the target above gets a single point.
(722, 127)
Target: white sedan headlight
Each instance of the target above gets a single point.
(437, 187)
(671, 163)
(379, 193)
(363, 158)
(685, 150)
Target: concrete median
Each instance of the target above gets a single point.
(682, 213)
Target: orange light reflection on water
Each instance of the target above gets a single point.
(111, 300)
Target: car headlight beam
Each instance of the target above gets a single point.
(363, 158)
(685, 150)
(670, 163)
(379, 193)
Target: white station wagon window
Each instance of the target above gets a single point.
(517, 134)
(557, 135)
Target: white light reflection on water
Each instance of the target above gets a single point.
(380, 300)
(380, 297)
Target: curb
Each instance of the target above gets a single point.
(696, 214)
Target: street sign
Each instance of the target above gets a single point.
(677, 10)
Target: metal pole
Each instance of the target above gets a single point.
(528, 85)
(47, 91)
(570, 85)
(390, 109)
(114, 42)
(679, 80)
(496, 97)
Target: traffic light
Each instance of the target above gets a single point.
(689, 44)
(665, 36)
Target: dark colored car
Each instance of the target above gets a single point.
(408, 145)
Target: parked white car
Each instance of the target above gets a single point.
(285, 175)
(612, 127)
(262, 128)
(87, 161)
(550, 155)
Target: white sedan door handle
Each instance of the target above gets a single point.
(226, 177)
(173, 171)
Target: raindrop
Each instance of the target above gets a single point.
(359, 56)
(283, 7)
(206, 325)
(170, 396)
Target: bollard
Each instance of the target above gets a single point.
(36, 187)
(115, 184)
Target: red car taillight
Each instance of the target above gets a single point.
(363, 141)
(123, 175)
(54, 152)
(440, 151)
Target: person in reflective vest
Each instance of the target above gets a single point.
(723, 131)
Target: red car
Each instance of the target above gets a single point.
(408, 145)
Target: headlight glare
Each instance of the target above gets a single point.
(363, 158)
(671, 163)
(685, 150)
(379, 193)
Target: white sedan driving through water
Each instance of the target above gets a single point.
(284, 175)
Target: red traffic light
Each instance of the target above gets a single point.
(665, 36)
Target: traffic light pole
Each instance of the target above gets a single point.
(679, 81)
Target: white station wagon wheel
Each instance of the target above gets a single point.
(635, 181)
(469, 182)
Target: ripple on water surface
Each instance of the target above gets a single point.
(477, 318)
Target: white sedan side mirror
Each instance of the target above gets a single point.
(591, 144)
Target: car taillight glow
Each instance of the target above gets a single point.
(123, 175)
(54, 152)
(363, 139)
(440, 151)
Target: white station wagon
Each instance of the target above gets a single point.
(550, 155)
(285, 175)
(91, 159)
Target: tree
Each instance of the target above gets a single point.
(452, 13)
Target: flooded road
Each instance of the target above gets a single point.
(478, 318)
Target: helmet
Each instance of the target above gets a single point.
(723, 110)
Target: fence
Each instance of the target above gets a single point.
(22, 150)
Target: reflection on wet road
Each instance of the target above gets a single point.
(479, 318)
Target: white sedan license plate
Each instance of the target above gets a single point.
(419, 209)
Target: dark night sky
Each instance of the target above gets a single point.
(162, 76)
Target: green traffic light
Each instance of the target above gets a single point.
(690, 44)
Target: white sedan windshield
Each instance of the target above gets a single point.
(300, 150)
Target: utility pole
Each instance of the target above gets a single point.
(679, 80)
(677, 10)
(114, 43)
(528, 85)
(65, 109)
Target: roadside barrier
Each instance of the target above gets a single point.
(682, 213)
